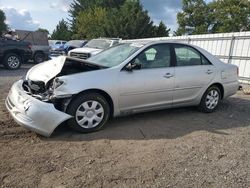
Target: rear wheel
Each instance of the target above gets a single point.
(210, 100)
(12, 61)
(39, 57)
(91, 111)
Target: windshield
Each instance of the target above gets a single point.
(98, 43)
(75, 43)
(115, 55)
(51, 42)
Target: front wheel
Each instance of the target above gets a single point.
(210, 100)
(12, 61)
(91, 111)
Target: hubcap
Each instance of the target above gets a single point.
(13, 61)
(212, 99)
(89, 114)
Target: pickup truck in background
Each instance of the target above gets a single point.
(14, 53)
(40, 45)
(93, 47)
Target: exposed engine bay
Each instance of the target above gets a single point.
(43, 89)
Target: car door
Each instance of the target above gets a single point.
(151, 86)
(193, 73)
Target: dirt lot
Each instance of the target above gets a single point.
(170, 148)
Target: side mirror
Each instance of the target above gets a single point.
(132, 66)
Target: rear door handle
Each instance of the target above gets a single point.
(168, 75)
(209, 71)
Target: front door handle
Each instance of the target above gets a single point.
(168, 75)
(209, 71)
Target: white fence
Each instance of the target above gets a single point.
(229, 47)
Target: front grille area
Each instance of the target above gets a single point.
(57, 52)
(34, 86)
(80, 55)
(9, 103)
(26, 86)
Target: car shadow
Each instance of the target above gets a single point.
(167, 124)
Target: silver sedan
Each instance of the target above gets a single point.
(125, 79)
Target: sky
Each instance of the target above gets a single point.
(32, 14)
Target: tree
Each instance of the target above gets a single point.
(90, 23)
(43, 30)
(75, 8)
(3, 26)
(130, 21)
(194, 18)
(219, 16)
(161, 30)
(230, 15)
(113, 18)
(78, 6)
(62, 31)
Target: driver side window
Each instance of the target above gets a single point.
(157, 56)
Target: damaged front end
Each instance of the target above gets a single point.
(34, 102)
(42, 82)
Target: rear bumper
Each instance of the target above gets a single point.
(230, 88)
(31, 113)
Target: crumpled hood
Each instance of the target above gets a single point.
(86, 50)
(47, 70)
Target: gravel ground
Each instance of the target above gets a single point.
(170, 148)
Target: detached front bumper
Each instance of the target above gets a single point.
(31, 113)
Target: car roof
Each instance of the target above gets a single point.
(151, 42)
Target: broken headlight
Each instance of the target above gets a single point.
(57, 82)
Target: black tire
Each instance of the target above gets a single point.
(12, 61)
(206, 102)
(75, 106)
(39, 57)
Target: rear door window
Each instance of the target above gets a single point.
(187, 56)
